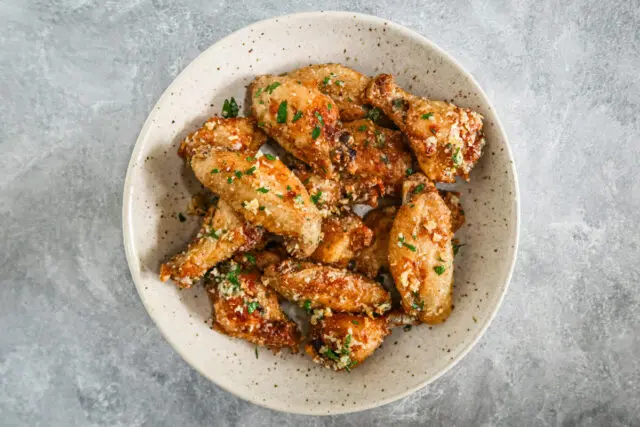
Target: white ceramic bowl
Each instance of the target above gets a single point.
(158, 186)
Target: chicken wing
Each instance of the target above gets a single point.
(342, 341)
(447, 140)
(244, 308)
(222, 234)
(265, 192)
(301, 119)
(374, 258)
(261, 259)
(421, 254)
(452, 200)
(376, 155)
(316, 286)
(325, 193)
(343, 237)
(233, 134)
(345, 86)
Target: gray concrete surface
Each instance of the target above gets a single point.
(77, 79)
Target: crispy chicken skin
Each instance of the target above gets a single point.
(222, 233)
(343, 237)
(343, 341)
(313, 285)
(244, 308)
(447, 140)
(233, 134)
(374, 258)
(265, 192)
(376, 154)
(345, 87)
(452, 200)
(325, 193)
(262, 259)
(301, 119)
(421, 254)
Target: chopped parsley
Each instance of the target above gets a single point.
(439, 269)
(269, 89)
(398, 104)
(250, 258)
(298, 199)
(230, 108)
(331, 354)
(319, 117)
(181, 217)
(216, 170)
(238, 174)
(270, 157)
(282, 112)
(349, 99)
(373, 114)
(262, 124)
(339, 83)
(409, 171)
(250, 171)
(418, 189)
(456, 157)
(426, 116)
(456, 248)
(433, 130)
(355, 322)
(350, 365)
(229, 180)
(262, 190)
(316, 132)
(262, 208)
(419, 305)
(297, 116)
(232, 276)
(346, 345)
(315, 198)
(252, 306)
(326, 81)
(251, 159)
(362, 128)
(215, 233)
(329, 106)
(409, 246)
(307, 306)
(258, 92)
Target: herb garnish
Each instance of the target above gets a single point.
(230, 108)
(282, 112)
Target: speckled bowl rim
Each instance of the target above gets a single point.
(364, 18)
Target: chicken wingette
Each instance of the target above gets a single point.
(313, 285)
(244, 308)
(421, 253)
(447, 140)
(222, 234)
(344, 85)
(302, 120)
(343, 237)
(265, 192)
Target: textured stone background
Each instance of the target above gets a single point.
(77, 79)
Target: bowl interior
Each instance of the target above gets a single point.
(159, 186)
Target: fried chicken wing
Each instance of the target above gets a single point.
(265, 192)
(222, 234)
(421, 254)
(374, 258)
(452, 200)
(343, 341)
(301, 119)
(232, 134)
(376, 155)
(325, 193)
(344, 85)
(447, 140)
(343, 237)
(313, 285)
(261, 259)
(244, 308)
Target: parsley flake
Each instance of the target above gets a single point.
(307, 306)
(282, 112)
(362, 128)
(270, 157)
(252, 306)
(262, 190)
(439, 269)
(297, 116)
(426, 116)
(230, 108)
(181, 217)
(315, 198)
(316, 132)
(269, 89)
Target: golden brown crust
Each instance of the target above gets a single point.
(222, 234)
(233, 134)
(244, 308)
(308, 128)
(343, 341)
(447, 140)
(265, 192)
(313, 285)
(371, 260)
(344, 85)
(343, 237)
(376, 155)
(421, 255)
(452, 200)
